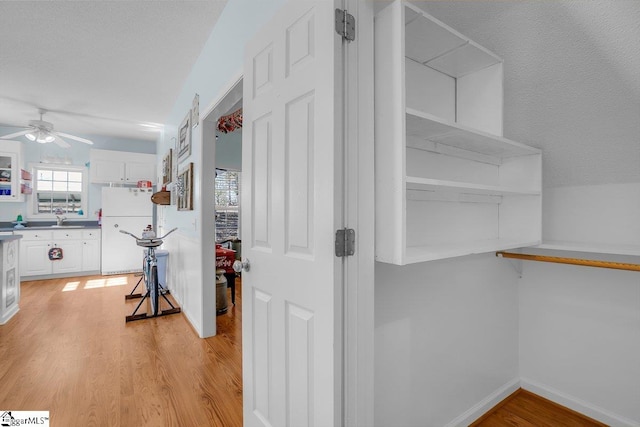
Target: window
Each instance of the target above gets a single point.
(227, 197)
(59, 190)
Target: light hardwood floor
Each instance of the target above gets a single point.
(525, 409)
(69, 351)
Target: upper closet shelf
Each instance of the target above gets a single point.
(431, 253)
(427, 184)
(442, 48)
(427, 126)
(633, 250)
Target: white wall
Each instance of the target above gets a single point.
(229, 150)
(580, 326)
(220, 61)
(446, 338)
(580, 337)
(605, 214)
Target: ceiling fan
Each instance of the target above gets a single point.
(43, 133)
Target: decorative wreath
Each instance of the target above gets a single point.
(230, 122)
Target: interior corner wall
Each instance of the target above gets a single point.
(219, 62)
(580, 337)
(446, 338)
(580, 326)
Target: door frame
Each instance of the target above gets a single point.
(358, 292)
(227, 97)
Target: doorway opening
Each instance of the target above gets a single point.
(222, 184)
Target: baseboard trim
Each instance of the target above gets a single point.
(576, 404)
(9, 314)
(61, 275)
(485, 404)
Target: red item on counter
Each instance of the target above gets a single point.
(225, 258)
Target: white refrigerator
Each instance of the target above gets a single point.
(128, 209)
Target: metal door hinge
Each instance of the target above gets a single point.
(345, 242)
(345, 25)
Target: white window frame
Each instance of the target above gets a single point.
(33, 202)
(236, 209)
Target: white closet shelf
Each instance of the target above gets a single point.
(438, 46)
(427, 184)
(438, 138)
(599, 248)
(415, 254)
(432, 128)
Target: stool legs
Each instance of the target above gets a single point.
(231, 284)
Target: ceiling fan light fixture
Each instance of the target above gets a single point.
(40, 136)
(42, 133)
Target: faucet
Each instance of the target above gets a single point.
(60, 219)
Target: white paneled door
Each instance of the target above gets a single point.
(291, 155)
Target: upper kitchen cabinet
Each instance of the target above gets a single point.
(447, 182)
(121, 167)
(10, 158)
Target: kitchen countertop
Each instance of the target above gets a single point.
(47, 225)
(9, 237)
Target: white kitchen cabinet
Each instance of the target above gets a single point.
(90, 250)
(77, 256)
(447, 182)
(34, 258)
(71, 243)
(107, 166)
(10, 153)
(34, 250)
(141, 170)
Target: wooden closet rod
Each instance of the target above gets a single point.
(572, 261)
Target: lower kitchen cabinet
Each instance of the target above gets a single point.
(80, 252)
(71, 261)
(90, 250)
(34, 250)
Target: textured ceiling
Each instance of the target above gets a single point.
(100, 67)
(572, 80)
(572, 71)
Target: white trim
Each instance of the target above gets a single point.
(208, 119)
(222, 94)
(359, 205)
(485, 404)
(9, 314)
(576, 404)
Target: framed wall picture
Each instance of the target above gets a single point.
(184, 188)
(184, 138)
(167, 168)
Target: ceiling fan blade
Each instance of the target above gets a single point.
(77, 138)
(61, 142)
(15, 134)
